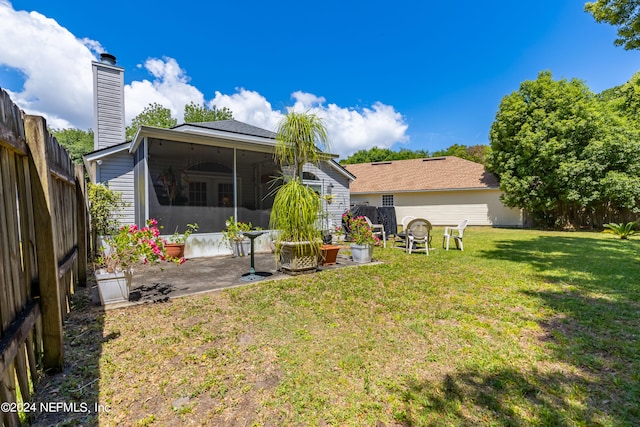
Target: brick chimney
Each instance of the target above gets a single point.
(108, 102)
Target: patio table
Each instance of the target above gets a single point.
(252, 276)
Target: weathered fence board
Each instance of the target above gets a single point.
(43, 249)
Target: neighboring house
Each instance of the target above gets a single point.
(195, 172)
(444, 190)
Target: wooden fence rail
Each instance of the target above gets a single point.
(43, 250)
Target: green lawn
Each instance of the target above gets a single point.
(522, 328)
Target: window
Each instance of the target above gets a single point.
(387, 200)
(198, 193)
(308, 176)
(312, 181)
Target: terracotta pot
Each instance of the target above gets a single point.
(175, 250)
(328, 254)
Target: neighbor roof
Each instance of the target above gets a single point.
(232, 126)
(434, 173)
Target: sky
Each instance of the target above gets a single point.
(411, 74)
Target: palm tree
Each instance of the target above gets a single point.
(300, 137)
(296, 206)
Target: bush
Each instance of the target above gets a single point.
(105, 208)
(622, 230)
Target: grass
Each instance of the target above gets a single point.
(522, 328)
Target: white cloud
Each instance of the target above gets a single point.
(58, 84)
(351, 129)
(170, 87)
(249, 107)
(55, 64)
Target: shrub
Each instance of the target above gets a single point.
(622, 230)
(105, 208)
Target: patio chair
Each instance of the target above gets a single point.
(450, 233)
(405, 221)
(378, 230)
(418, 232)
(401, 237)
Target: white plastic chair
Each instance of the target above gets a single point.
(418, 232)
(405, 221)
(378, 230)
(450, 233)
(400, 240)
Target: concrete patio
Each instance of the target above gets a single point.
(153, 284)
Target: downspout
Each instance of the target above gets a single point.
(235, 185)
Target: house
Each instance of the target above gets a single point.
(444, 190)
(195, 172)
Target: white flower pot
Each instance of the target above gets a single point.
(246, 247)
(114, 287)
(241, 247)
(361, 253)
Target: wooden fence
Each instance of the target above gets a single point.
(43, 250)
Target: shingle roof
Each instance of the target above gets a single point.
(435, 173)
(233, 126)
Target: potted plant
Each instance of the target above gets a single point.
(327, 232)
(362, 240)
(296, 206)
(125, 248)
(175, 244)
(234, 238)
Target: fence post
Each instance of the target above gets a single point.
(47, 259)
(81, 225)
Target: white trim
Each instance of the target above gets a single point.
(146, 180)
(235, 184)
(99, 154)
(335, 165)
(223, 139)
(426, 191)
(213, 138)
(105, 65)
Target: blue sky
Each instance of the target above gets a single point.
(414, 74)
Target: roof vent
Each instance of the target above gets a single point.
(107, 58)
(380, 163)
(431, 159)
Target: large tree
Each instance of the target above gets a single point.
(474, 153)
(76, 141)
(624, 14)
(563, 155)
(194, 113)
(157, 115)
(153, 114)
(376, 154)
(625, 99)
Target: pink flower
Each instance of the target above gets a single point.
(182, 260)
(133, 244)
